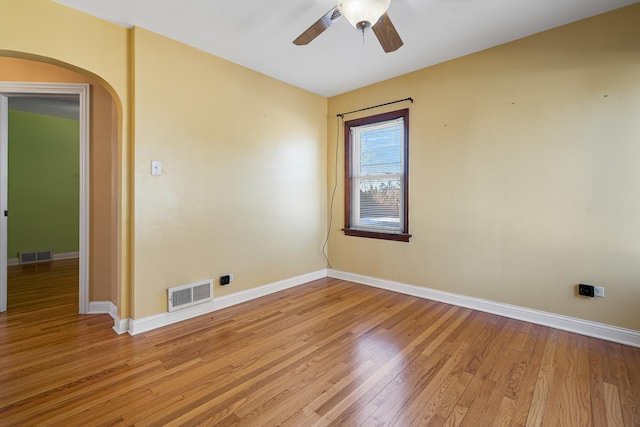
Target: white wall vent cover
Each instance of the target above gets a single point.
(35, 256)
(190, 294)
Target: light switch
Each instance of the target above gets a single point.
(156, 167)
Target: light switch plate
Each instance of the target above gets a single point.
(156, 167)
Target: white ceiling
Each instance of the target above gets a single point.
(258, 34)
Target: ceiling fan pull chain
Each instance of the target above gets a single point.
(363, 36)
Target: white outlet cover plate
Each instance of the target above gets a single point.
(598, 291)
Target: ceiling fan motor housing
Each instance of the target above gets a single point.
(363, 13)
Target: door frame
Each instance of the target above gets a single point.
(82, 90)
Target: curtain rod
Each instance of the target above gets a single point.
(375, 106)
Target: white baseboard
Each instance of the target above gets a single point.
(565, 323)
(137, 326)
(100, 307)
(65, 255)
(121, 326)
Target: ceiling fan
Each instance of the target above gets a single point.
(362, 14)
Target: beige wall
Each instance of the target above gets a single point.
(98, 50)
(102, 279)
(244, 157)
(50, 30)
(523, 165)
(244, 174)
(524, 176)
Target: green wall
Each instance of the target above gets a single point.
(43, 195)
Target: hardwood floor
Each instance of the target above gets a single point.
(327, 353)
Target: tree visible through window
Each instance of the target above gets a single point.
(376, 181)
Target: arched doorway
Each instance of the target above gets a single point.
(98, 277)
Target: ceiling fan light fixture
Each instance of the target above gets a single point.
(363, 13)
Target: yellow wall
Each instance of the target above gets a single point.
(523, 165)
(102, 194)
(524, 176)
(244, 174)
(244, 156)
(48, 32)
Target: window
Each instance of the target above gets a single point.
(376, 176)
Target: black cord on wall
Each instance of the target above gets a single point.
(339, 119)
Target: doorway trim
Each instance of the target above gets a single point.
(7, 90)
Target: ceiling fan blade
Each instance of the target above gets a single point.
(316, 29)
(387, 34)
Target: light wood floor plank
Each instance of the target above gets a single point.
(529, 372)
(326, 353)
(633, 370)
(626, 393)
(614, 411)
(597, 353)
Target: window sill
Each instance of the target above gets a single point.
(401, 237)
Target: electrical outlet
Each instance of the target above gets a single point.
(598, 291)
(586, 290)
(225, 280)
